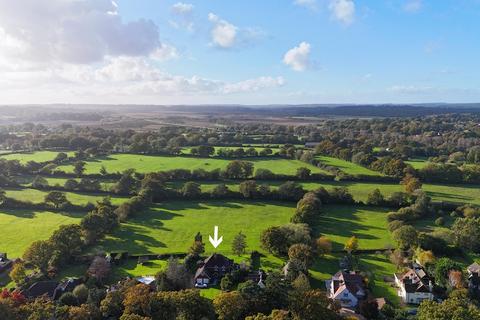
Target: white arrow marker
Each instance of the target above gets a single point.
(215, 241)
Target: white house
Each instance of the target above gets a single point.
(347, 288)
(414, 285)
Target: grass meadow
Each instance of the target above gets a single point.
(22, 227)
(347, 166)
(360, 190)
(144, 163)
(38, 156)
(37, 196)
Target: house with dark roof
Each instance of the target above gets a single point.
(473, 271)
(40, 289)
(414, 285)
(346, 287)
(212, 270)
(5, 263)
(66, 286)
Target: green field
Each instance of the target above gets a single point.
(37, 196)
(418, 163)
(172, 226)
(361, 190)
(187, 150)
(22, 227)
(38, 156)
(55, 181)
(143, 163)
(369, 225)
(347, 166)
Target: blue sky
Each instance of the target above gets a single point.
(252, 52)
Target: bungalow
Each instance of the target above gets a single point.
(346, 287)
(414, 285)
(5, 263)
(212, 270)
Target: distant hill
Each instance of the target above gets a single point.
(305, 110)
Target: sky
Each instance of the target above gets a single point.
(239, 51)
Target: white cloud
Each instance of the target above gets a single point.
(71, 31)
(165, 52)
(413, 6)
(298, 58)
(309, 4)
(224, 34)
(343, 11)
(252, 85)
(183, 16)
(411, 89)
(132, 77)
(182, 8)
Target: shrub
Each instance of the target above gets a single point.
(440, 221)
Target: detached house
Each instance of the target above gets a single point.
(212, 270)
(474, 279)
(415, 285)
(5, 263)
(346, 287)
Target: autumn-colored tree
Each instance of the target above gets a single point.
(313, 305)
(301, 253)
(18, 273)
(197, 248)
(99, 269)
(455, 279)
(230, 306)
(425, 256)
(352, 244)
(137, 300)
(411, 183)
(39, 254)
(323, 245)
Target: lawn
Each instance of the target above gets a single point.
(368, 224)
(172, 227)
(144, 163)
(347, 166)
(38, 156)
(37, 196)
(22, 227)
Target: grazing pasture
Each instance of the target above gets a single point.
(19, 228)
(145, 163)
(347, 166)
(418, 163)
(38, 156)
(171, 227)
(360, 190)
(37, 196)
(369, 225)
